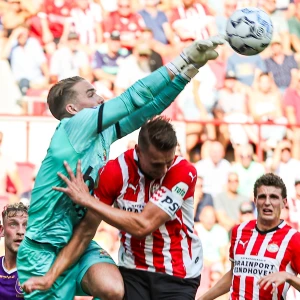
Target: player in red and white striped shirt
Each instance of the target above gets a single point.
(265, 252)
(160, 255)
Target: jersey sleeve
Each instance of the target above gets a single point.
(177, 186)
(295, 263)
(232, 243)
(108, 190)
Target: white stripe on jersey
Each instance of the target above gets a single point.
(166, 250)
(149, 254)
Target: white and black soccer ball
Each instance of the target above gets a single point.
(249, 31)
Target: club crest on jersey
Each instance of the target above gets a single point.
(273, 248)
(18, 287)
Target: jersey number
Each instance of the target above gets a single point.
(91, 184)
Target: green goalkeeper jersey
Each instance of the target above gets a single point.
(87, 136)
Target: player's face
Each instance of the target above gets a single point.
(86, 96)
(269, 203)
(14, 228)
(155, 163)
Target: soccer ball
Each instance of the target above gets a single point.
(249, 31)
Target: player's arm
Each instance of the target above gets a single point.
(156, 107)
(82, 235)
(278, 278)
(220, 288)
(161, 207)
(144, 90)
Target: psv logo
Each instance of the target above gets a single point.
(172, 206)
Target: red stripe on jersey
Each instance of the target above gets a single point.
(235, 287)
(137, 248)
(158, 257)
(175, 248)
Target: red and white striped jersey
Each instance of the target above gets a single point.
(173, 248)
(256, 254)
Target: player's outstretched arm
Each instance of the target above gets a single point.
(155, 107)
(82, 235)
(278, 278)
(222, 287)
(146, 89)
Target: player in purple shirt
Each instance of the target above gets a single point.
(14, 219)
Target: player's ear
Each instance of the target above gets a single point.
(137, 149)
(284, 202)
(71, 109)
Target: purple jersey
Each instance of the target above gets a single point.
(10, 288)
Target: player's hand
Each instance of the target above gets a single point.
(41, 283)
(76, 188)
(200, 51)
(274, 280)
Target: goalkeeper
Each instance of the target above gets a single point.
(86, 130)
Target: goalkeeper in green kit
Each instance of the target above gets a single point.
(86, 130)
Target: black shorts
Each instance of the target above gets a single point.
(144, 285)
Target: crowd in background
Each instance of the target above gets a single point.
(113, 43)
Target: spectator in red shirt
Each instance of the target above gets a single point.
(126, 21)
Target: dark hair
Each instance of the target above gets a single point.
(270, 179)
(59, 94)
(158, 132)
(12, 210)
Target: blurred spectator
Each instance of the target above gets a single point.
(201, 200)
(196, 103)
(28, 61)
(227, 204)
(133, 67)
(213, 237)
(265, 105)
(218, 66)
(49, 24)
(280, 65)
(68, 61)
(280, 24)
(85, 19)
(232, 107)
(8, 169)
(285, 215)
(157, 21)
(285, 166)
(245, 68)
(214, 169)
(294, 28)
(15, 13)
(156, 60)
(229, 7)
(106, 63)
(292, 110)
(189, 21)
(247, 170)
(126, 21)
(246, 212)
(294, 206)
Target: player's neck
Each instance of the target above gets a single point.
(265, 226)
(10, 259)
